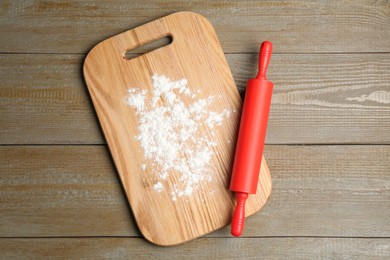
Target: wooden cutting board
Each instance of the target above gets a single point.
(164, 215)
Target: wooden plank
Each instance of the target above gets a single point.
(321, 98)
(202, 248)
(44, 100)
(34, 26)
(317, 191)
(54, 188)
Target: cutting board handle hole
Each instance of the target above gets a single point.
(148, 47)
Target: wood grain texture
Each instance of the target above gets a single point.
(46, 95)
(332, 87)
(36, 26)
(341, 98)
(195, 54)
(54, 191)
(204, 248)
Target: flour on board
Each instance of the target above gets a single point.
(169, 133)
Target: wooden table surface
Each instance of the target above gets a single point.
(327, 142)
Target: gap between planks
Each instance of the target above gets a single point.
(203, 237)
(273, 144)
(226, 53)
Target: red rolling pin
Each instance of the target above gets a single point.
(251, 136)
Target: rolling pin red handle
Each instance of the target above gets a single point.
(264, 58)
(239, 214)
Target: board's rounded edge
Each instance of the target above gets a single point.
(187, 13)
(169, 243)
(88, 58)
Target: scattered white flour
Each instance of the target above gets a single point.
(170, 133)
(158, 187)
(136, 100)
